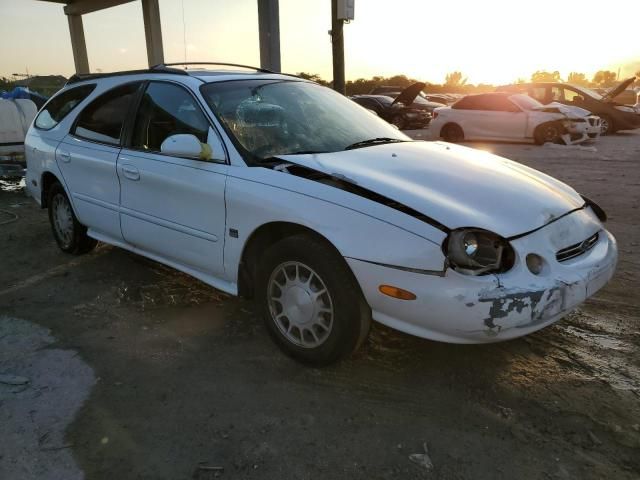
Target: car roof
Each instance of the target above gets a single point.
(491, 94)
(374, 96)
(205, 75)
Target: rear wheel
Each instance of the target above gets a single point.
(547, 132)
(452, 133)
(71, 236)
(311, 303)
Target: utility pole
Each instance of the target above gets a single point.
(269, 34)
(337, 43)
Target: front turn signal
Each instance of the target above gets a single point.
(396, 292)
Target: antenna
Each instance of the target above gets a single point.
(184, 34)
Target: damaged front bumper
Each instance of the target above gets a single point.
(581, 130)
(456, 308)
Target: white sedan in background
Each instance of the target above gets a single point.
(276, 188)
(512, 117)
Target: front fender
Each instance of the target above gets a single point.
(363, 230)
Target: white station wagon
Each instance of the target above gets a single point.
(273, 187)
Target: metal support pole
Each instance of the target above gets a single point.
(153, 32)
(337, 43)
(78, 43)
(269, 31)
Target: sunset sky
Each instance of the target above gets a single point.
(491, 41)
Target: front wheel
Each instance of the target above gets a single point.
(452, 133)
(399, 122)
(606, 125)
(547, 133)
(311, 303)
(70, 235)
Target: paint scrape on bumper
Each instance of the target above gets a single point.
(517, 308)
(459, 308)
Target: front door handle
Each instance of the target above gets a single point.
(64, 156)
(131, 172)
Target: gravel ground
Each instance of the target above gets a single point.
(145, 373)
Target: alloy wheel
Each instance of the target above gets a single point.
(300, 304)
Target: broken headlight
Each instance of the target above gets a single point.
(478, 252)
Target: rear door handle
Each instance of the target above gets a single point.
(131, 172)
(64, 156)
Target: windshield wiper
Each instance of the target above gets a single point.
(305, 152)
(373, 141)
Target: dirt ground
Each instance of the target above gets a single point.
(179, 376)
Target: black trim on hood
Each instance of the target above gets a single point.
(520, 235)
(343, 183)
(437, 273)
(597, 209)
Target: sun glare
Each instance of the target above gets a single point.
(493, 41)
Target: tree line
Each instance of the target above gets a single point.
(456, 82)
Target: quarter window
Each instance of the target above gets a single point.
(167, 110)
(61, 105)
(103, 119)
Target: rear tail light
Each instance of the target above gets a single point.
(435, 114)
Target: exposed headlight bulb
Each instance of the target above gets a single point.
(470, 243)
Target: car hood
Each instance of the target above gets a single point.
(568, 110)
(454, 185)
(409, 94)
(615, 91)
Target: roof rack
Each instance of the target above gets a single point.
(257, 69)
(165, 68)
(80, 77)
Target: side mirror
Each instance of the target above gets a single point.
(182, 145)
(187, 145)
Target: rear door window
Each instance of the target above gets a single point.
(61, 105)
(475, 102)
(469, 103)
(499, 103)
(103, 119)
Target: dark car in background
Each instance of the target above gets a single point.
(614, 116)
(394, 90)
(400, 111)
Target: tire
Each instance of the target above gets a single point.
(547, 132)
(607, 125)
(316, 331)
(399, 122)
(452, 133)
(70, 235)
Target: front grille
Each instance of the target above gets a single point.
(578, 249)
